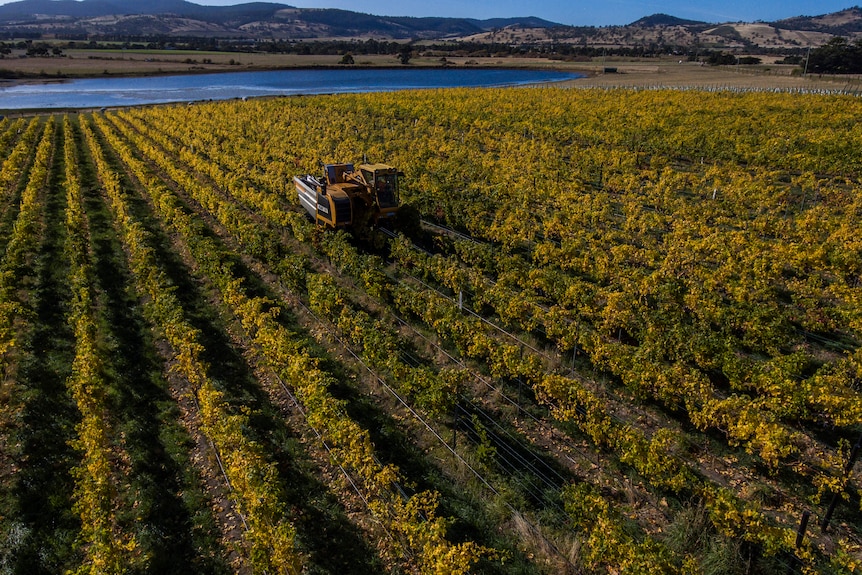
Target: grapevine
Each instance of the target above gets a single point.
(253, 481)
(351, 445)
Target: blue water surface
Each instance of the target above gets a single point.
(106, 92)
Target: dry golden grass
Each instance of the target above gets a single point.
(77, 63)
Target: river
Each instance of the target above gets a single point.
(108, 92)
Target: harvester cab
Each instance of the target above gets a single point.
(381, 184)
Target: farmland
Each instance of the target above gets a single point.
(615, 331)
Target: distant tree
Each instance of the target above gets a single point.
(404, 55)
(37, 50)
(749, 60)
(720, 59)
(838, 56)
(347, 59)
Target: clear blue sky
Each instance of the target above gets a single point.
(581, 12)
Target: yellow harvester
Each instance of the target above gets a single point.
(349, 197)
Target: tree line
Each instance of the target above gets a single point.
(371, 46)
(838, 56)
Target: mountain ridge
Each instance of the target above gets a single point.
(269, 20)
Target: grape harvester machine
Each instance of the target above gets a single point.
(348, 197)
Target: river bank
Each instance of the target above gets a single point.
(600, 72)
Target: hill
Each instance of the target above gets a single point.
(667, 20)
(666, 30)
(252, 20)
(273, 21)
(844, 23)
